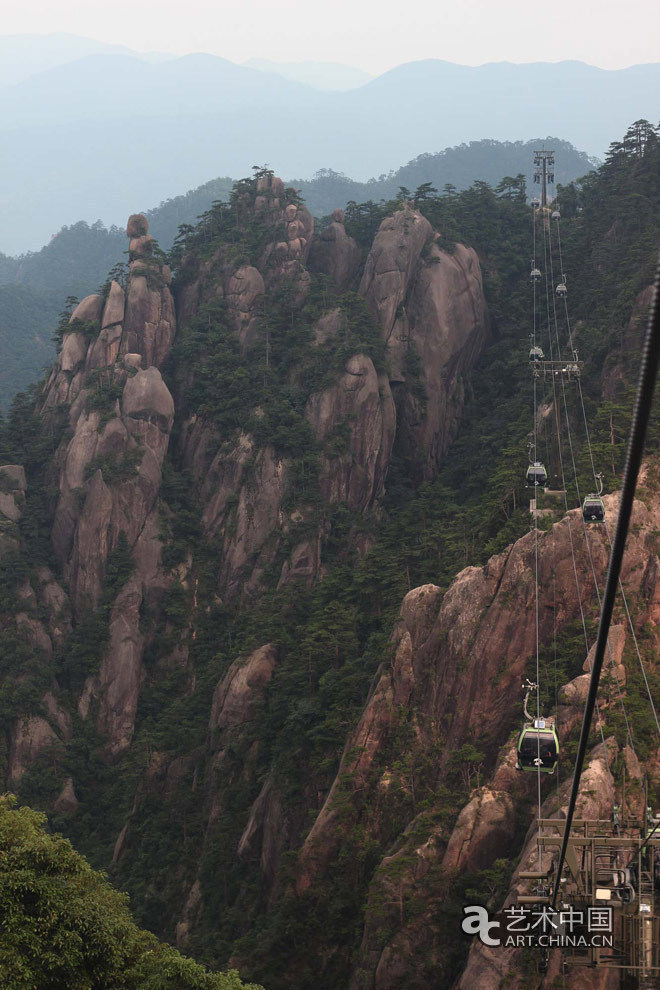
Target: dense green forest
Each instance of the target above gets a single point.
(331, 637)
(64, 926)
(75, 261)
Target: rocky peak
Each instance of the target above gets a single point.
(335, 254)
(138, 319)
(430, 305)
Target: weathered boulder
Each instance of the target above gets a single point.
(73, 352)
(391, 263)
(335, 254)
(448, 328)
(54, 601)
(30, 738)
(91, 544)
(245, 288)
(329, 326)
(113, 311)
(429, 303)
(66, 802)
(149, 321)
(482, 832)
(88, 309)
(147, 399)
(137, 225)
(91, 514)
(242, 685)
(361, 403)
(304, 562)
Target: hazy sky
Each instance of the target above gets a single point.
(372, 34)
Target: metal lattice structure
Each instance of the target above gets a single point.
(544, 172)
(614, 864)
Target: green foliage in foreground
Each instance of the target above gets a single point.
(64, 926)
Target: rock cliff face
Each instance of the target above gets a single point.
(361, 398)
(132, 408)
(458, 662)
(119, 416)
(243, 489)
(336, 254)
(430, 304)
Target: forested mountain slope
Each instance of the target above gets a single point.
(245, 457)
(76, 260)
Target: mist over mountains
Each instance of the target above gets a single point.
(110, 131)
(34, 286)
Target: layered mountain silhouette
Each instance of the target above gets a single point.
(85, 138)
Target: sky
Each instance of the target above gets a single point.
(374, 35)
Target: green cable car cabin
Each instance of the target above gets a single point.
(538, 747)
(593, 509)
(536, 474)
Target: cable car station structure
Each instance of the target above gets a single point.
(614, 864)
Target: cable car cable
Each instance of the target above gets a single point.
(593, 468)
(578, 587)
(606, 527)
(548, 260)
(536, 567)
(641, 415)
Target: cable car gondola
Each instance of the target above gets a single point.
(562, 289)
(536, 474)
(538, 745)
(556, 215)
(536, 354)
(535, 274)
(593, 509)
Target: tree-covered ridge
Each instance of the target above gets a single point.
(64, 926)
(76, 259)
(329, 638)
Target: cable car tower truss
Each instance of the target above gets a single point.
(544, 172)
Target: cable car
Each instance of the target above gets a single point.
(536, 201)
(538, 747)
(556, 215)
(593, 509)
(536, 354)
(536, 474)
(535, 274)
(561, 288)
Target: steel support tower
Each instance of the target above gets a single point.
(544, 172)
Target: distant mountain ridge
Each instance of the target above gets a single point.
(184, 119)
(23, 55)
(320, 75)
